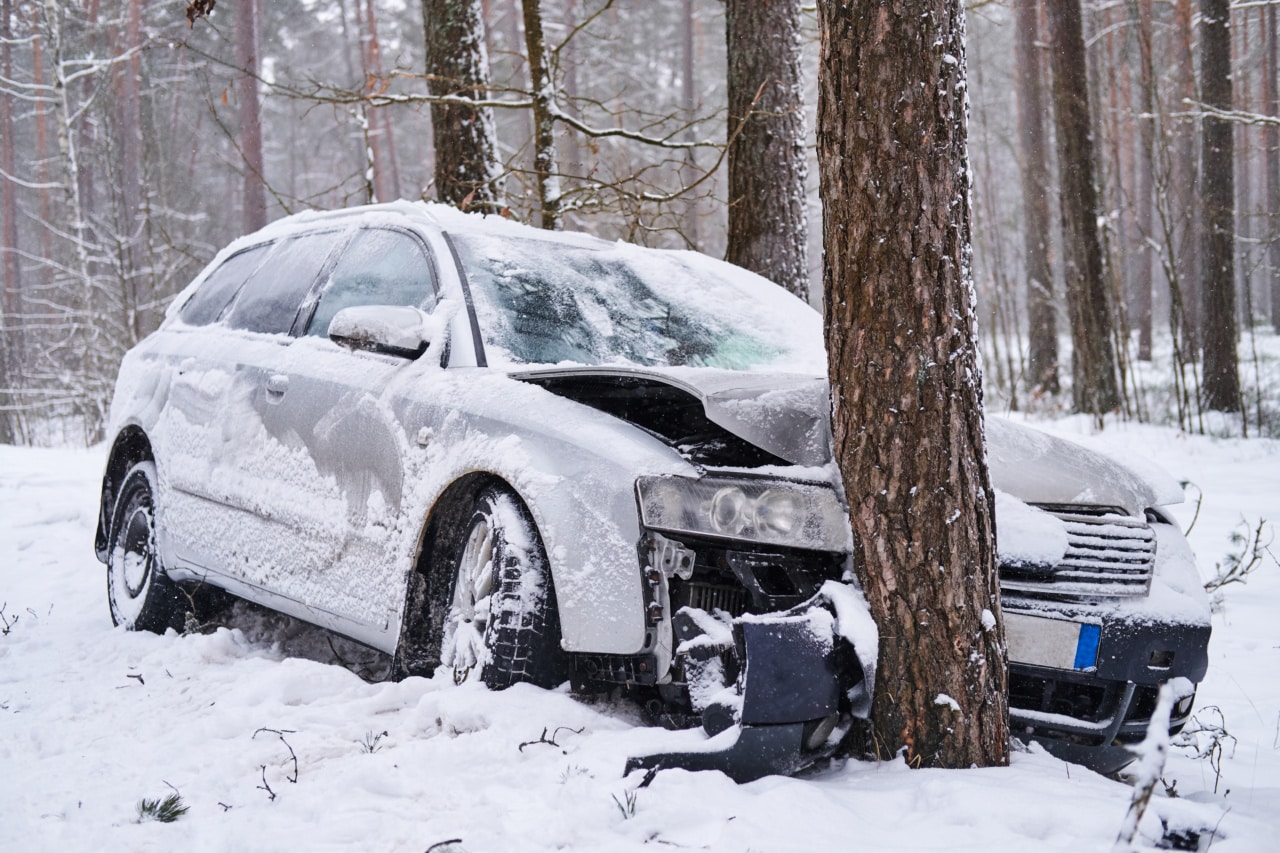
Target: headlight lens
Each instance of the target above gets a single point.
(772, 512)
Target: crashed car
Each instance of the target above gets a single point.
(534, 457)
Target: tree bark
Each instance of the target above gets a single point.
(545, 165)
(1042, 353)
(768, 225)
(1093, 365)
(467, 174)
(905, 374)
(1144, 196)
(1221, 388)
(1186, 181)
(1271, 135)
(254, 192)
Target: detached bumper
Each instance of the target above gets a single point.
(800, 677)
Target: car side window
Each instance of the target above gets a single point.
(270, 298)
(380, 267)
(221, 285)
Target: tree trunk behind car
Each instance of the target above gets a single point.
(906, 385)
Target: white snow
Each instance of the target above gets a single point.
(93, 718)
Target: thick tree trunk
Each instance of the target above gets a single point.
(1221, 389)
(1042, 322)
(545, 165)
(905, 378)
(768, 225)
(1093, 365)
(254, 194)
(467, 173)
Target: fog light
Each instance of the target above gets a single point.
(1160, 659)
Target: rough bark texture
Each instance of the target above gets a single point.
(467, 173)
(1042, 356)
(1093, 363)
(255, 197)
(1221, 383)
(545, 165)
(768, 227)
(905, 378)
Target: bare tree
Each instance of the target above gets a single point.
(905, 376)
(1094, 385)
(1221, 382)
(466, 169)
(768, 227)
(1041, 317)
(1271, 90)
(545, 163)
(11, 265)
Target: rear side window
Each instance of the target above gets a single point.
(270, 298)
(380, 267)
(216, 291)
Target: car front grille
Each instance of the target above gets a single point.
(1109, 554)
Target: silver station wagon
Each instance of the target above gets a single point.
(534, 457)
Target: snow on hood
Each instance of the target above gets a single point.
(1038, 468)
(788, 415)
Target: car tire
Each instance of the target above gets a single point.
(141, 596)
(502, 616)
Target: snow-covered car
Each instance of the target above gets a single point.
(544, 457)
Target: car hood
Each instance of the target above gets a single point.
(789, 415)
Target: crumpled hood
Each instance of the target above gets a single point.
(786, 414)
(789, 415)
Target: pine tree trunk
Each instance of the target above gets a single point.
(1093, 365)
(1186, 180)
(1144, 196)
(1272, 137)
(768, 225)
(254, 194)
(905, 375)
(1221, 389)
(1042, 322)
(545, 165)
(467, 173)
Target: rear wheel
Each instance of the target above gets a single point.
(502, 618)
(139, 593)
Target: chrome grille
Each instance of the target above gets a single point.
(1109, 554)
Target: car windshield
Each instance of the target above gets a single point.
(548, 301)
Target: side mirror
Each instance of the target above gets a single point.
(391, 329)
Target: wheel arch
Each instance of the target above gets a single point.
(427, 593)
(130, 447)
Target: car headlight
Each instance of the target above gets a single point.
(771, 512)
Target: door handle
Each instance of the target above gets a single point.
(277, 384)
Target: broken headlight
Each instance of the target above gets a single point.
(771, 512)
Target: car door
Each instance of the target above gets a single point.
(253, 484)
(327, 401)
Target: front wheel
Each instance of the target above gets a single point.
(502, 616)
(139, 593)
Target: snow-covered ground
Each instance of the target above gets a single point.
(93, 719)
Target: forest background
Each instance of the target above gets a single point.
(135, 142)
